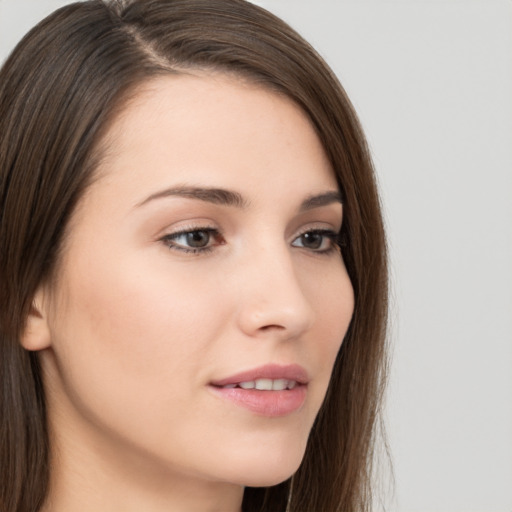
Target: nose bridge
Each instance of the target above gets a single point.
(273, 298)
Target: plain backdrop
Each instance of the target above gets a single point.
(432, 83)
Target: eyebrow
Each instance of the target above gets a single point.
(225, 197)
(210, 195)
(319, 200)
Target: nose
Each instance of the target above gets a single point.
(273, 302)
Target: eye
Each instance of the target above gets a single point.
(317, 240)
(193, 240)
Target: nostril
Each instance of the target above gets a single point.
(271, 327)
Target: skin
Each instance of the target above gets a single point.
(135, 328)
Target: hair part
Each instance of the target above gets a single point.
(60, 89)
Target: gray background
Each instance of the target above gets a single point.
(432, 82)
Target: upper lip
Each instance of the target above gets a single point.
(270, 371)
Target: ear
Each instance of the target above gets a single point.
(36, 333)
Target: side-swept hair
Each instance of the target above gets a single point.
(59, 89)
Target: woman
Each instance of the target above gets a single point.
(193, 268)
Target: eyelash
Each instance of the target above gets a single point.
(170, 240)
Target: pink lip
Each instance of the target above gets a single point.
(269, 371)
(265, 403)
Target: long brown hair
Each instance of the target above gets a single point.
(58, 90)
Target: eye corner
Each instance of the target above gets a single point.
(342, 239)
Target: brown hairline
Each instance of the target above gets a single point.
(60, 89)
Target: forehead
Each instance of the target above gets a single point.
(216, 127)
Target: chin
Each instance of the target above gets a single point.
(274, 469)
(268, 480)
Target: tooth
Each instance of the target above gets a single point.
(247, 385)
(264, 384)
(229, 386)
(291, 384)
(279, 384)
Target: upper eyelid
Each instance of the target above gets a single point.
(317, 229)
(213, 229)
(326, 231)
(318, 225)
(184, 231)
(187, 228)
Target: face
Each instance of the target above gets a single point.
(201, 298)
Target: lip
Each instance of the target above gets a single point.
(269, 371)
(271, 404)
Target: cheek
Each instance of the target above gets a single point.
(130, 350)
(129, 333)
(124, 333)
(333, 300)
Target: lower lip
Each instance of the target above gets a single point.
(265, 403)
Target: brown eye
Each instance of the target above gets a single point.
(312, 240)
(321, 241)
(197, 239)
(193, 240)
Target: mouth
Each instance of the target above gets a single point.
(264, 384)
(270, 391)
(266, 377)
